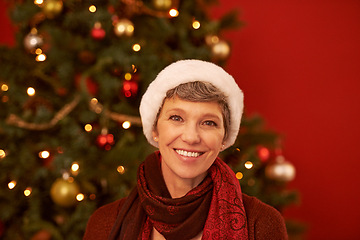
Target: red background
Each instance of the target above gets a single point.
(298, 63)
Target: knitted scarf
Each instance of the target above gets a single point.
(214, 207)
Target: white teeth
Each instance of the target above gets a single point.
(188, 154)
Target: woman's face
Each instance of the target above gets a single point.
(190, 137)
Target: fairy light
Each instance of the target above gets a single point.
(75, 167)
(134, 68)
(239, 175)
(4, 87)
(38, 51)
(44, 154)
(173, 12)
(126, 125)
(136, 47)
(121, 169)
(2, 153)
(38, 2)
(27, 191)
(196, 24)
(80, 197)
(40, 57)
(128, 76)
(88, 127)
(249, 165)
(92, 8)
(11, 184)
(30, 91)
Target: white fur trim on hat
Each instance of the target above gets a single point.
(184, 71)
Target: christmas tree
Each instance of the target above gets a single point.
(71, 137)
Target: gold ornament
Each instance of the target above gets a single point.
(162, 4)
(280, 170)
(220, 50)
(52, 8)
(63, 192)
(123, 27)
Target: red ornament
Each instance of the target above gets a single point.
(98, 33)
(41, 235)
(263, 153)
(105, 141)
(91, 86)
(130, 88)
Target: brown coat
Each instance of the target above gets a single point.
(264, 222)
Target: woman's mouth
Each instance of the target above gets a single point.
(188, 153)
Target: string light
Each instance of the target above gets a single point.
(30, 91)
(136, 47)
(38, 2)
(126, 125)
(173, 12)
(128, 76)
(80, 197)
(121, 169)
(40, 57)
(2, 153)
(11, 184)
(38, 51)
(239, 175)
(88, 127)
(134, 68)
(92, 8)
(196, 24)
(249, 165)
(4, 87)
(44, 154)
(75, 167)
(27, 191)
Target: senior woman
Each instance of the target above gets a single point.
(190, 112)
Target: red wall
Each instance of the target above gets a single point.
(298, 63)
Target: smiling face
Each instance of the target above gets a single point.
(190, 136)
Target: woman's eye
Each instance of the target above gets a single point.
(175, 118)
(210, 123)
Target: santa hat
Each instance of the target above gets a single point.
(184, 71)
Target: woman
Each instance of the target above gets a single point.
(191, 112)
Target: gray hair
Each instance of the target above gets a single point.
(199, 91)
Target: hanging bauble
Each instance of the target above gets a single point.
(52, 8)
(162, 4)
(280, 170)
(41, 235)
(220, 50)
(130, 88)
(33, 40)
(97, 32)
(63, 192)
(123, 27)
(89, 84)
(105, 140)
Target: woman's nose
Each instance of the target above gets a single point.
(191, 134)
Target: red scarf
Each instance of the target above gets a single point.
(214, 207)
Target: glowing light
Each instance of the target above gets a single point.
(80, 197)
(40, 57)
(128, 76)
(263, 153)
(121, 169)
(173, 12)
(75, 167)
(94, 101)
(214, 39)
(30, 91)
(4, 87)
(134, 68)
(2, 153)
(38, 2)
(136, 47)
(249, 165)
(126, 125)
(196, 24)
(44, 154)
(92, 8)
(38, 51)
(88, 127)
(27, 191)
(239, 175)
(11, 184)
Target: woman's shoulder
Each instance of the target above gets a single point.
(264, 221)
(102, 220)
